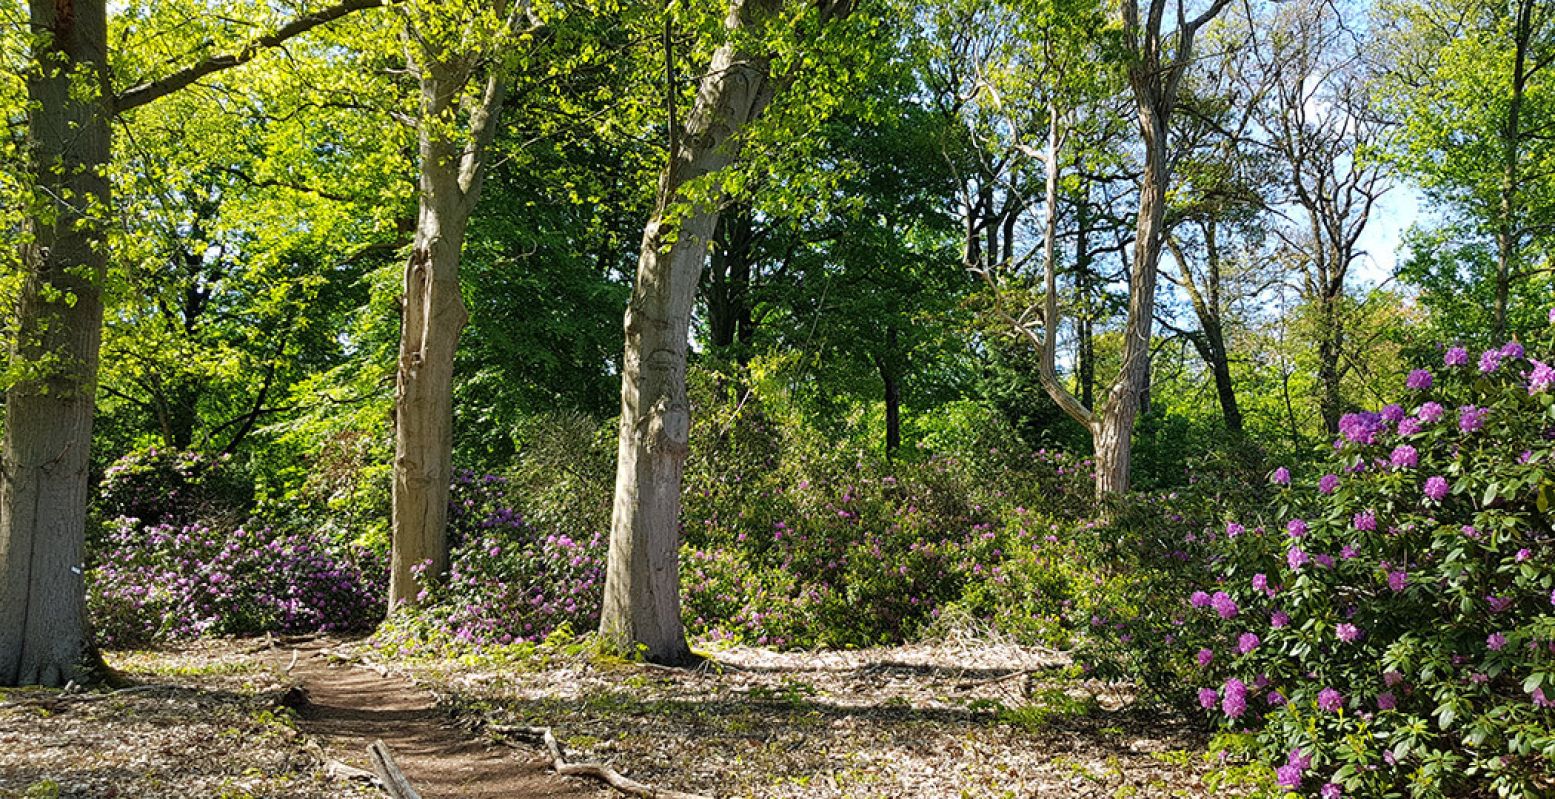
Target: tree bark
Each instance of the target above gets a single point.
(1508, 226)
(642, 582)
(1155, 79)
(1116, 425)
(48, 432)
(433, 315)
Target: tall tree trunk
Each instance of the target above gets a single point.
(642, 581)
(1210, 342)
(887, 364)
(432, 316)
(48, 431)
(1085, 313)
(728, 296)
(1116, 425)
(1508, 225)
(1330, 344)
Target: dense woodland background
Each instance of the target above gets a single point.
(943, 249)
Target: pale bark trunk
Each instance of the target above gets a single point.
(44, 489)
(433, 315)
(642, 583)
(1116, 426)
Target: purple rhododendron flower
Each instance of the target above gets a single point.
(1274, 698)
(1233, 529)
(1347, 632)
(1360, 428)
(1365, 520)
(1496, 641)
(1208, 697)
(1281, 476)
(1404, 457)
(1247, 642)
(1419, 380)
(1456, 356)
(1541, 378)
(1278, 619)
(1392, 413)
(1205, 656)
(1296, 558)
(1408, 427)
(1347, 552)
(1397, 580)
(1524, 554)
(1512, 349)
(1329, 700)
(1330, 791)
(1235, 702)
(1539, 700)
(1296, 528)
(1436, 488)
(1498, 604)
(1489, 361)
(1328, 484)
(1260, 582)
(1224, 605)
(1471, 418)
(1430, 412)
(1386, 701)
(1199, 599)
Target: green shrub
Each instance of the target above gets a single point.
(1383, 626)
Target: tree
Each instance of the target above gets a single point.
(50, 397)
(1323, 132)
(642, 583)
(1158, 60)
(451, 46)
(1469, 84)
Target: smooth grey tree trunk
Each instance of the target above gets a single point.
(642, 582)
(44, 488)
(433, 315)
(44, 460)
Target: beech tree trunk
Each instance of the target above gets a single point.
(433, 315)
(642, 579)
(48, 431)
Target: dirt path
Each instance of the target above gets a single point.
(348, 707)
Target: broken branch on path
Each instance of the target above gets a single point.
(389, 775)
(597, 771)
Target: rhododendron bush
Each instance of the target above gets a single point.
(1385, 626)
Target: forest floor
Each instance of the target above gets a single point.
(952, 718)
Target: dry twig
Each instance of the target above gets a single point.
(597, 771)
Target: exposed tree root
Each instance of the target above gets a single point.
(597, 771)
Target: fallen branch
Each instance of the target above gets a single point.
(389, 775)
(962, 686)
(597, 771)
(293, 664)
(335, 768)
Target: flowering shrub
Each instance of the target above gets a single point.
(160, 582)
(834, 548)
(1387, 627)
(507, 581)
(160, 486)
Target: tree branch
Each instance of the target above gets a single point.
(146, 92)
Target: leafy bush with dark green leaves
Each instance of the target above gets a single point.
(167, 486)
(1385, 625)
